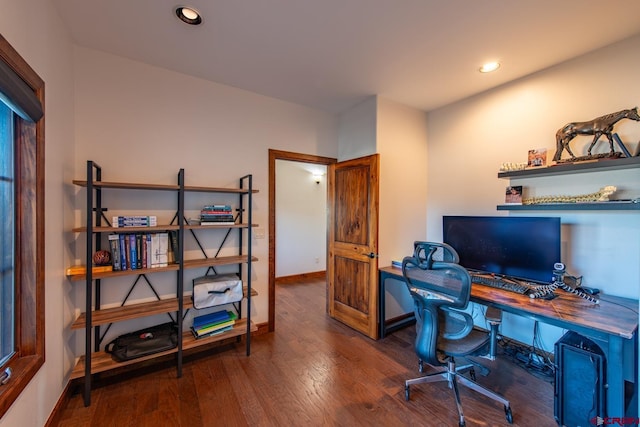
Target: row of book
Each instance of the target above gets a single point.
(213, 323)
(137, 251)
(216, 215)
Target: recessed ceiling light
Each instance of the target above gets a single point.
(489, 67)
(188, 15)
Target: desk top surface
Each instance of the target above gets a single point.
(613, 315)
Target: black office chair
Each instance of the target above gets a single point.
(440, 289)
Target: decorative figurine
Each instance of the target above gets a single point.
(596, 127)
(601, 195)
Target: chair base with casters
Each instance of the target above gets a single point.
(452, 375)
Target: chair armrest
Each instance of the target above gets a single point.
(493, 315)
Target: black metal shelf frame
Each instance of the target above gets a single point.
(95, 217)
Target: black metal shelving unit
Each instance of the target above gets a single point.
(94, 360)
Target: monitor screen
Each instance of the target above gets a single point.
(518, 247)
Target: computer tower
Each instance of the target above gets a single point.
(579, 382)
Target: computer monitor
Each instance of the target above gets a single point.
(518, 247)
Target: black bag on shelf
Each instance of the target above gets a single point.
(146, 341)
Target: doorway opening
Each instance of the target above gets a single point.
(275, 155)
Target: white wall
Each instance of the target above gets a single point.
(301, 218)
(34, 29)
(357, 130)
(470, 139)
(143, 123)
(402, 144)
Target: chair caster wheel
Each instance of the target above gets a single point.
(472, 374)
(509, 415)
(406, 393)
(462, 424)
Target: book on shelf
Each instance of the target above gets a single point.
(133, 254)
(225, 208)
(114, 245)
(173, 246)
(82, 269)
(138, 251)
(134, 221)
(143, 250)
(396, 263)
(149, 250)
(212, 318)
(123, 252)
(160, 250)
(212, 328)
(213, 217)
(212, 333)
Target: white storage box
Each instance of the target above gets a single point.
(218, 289)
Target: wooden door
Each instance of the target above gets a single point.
(353, 243)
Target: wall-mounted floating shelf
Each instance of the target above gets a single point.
(569, 168)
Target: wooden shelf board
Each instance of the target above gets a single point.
(126, 230)
(129, 185)
(166, 187)
(198, 226)
(595, 206)
(134, 311)
(212, 262)
(127, 312)
(101, 361)
(171, 267)
(156, 229)
(568, 168)
(197, 189)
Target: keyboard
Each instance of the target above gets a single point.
(501, 283)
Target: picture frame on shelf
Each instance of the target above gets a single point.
(537, 158)
(513, 195)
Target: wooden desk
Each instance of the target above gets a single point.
(612, 324)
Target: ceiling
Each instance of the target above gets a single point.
(332, 54)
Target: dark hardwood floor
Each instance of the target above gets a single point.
(313, 371)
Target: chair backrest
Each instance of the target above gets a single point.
(432, 251)
(439, 289)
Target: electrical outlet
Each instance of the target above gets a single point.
(259, 233)
(317, 260)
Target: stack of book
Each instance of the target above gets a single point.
(216, 215)
(213, 323)
(134, 221)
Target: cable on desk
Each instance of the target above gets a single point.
(518, 354)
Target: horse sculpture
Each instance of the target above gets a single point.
(596, 127)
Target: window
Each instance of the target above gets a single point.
(7, 208)
(22, 222)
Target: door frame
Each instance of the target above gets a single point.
(273, 156)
